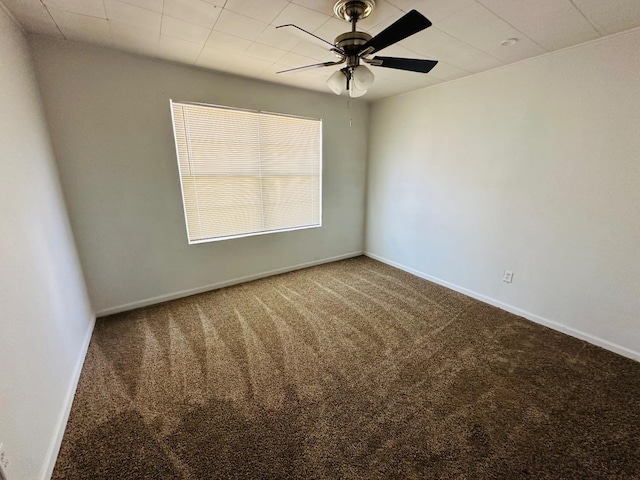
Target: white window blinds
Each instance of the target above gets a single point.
(245, 172)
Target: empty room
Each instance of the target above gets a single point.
(319, 239)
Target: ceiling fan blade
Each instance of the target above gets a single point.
(316, 37)
(410, 64)
(311, 67)
(412, 22)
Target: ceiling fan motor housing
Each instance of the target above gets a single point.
(351, 44)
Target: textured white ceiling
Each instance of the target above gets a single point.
(239, 36)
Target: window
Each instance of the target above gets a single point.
(245, 172)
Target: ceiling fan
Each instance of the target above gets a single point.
(353, 47)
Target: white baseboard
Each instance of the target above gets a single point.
(215, 286)
(54, 447)
(619, 349)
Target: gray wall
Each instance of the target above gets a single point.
(532, 168)
(111, 129)
(45, 316)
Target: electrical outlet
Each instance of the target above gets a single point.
(4, 463)
(508, 276)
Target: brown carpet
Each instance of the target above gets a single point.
(350, 370)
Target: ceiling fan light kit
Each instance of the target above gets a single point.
(354, 92)
(336, 82)
(362, 77)
(354, 47)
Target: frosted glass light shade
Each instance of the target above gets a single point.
(337, 82)
(362, 77)
(355, 92)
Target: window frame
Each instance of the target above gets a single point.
(261, 232)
